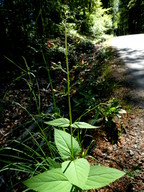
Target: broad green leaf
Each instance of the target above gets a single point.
(60, 122)
(83, 125)
(76, 171)
(100, 176)
(63, 144)
(49, 181)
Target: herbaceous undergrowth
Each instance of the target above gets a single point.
(75, 173)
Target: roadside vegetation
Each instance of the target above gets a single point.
(56, 91)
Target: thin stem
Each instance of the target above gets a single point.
(68, 89)
(89, 110)
(50, 80)
(38, 104)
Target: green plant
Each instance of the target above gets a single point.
(112, 109)
(49, 76)
(107, 113)
(31, 80)
(135, 170)
(75, 173)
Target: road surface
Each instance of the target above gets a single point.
(131, 50)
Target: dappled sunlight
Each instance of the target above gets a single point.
(131, 50)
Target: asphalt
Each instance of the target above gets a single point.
(131, 50)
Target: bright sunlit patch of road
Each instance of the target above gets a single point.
(129, 41)
(131, 50)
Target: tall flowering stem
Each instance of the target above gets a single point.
(68, 88)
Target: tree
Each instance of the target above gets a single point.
(113, 6)
(136, 16)
(131, 17)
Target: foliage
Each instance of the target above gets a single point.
(76, 175)
(127, 16)
(101, 19)
(25, 23)
(111, 110)
(131, 23)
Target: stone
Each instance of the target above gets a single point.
(135, 146)
(131, 152)
(142, 154)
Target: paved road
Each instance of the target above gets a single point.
(131, 50)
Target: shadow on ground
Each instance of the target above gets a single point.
(128, 90)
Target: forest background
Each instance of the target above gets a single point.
(23, 24)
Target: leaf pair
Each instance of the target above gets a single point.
(64, 122)
(78, 173)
